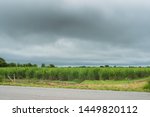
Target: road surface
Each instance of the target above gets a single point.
(31, 93)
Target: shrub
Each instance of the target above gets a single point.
(1, 78)
(147, 86)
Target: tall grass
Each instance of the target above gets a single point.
(147, 86)
(74, 74)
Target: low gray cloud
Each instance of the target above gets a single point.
(77, 31)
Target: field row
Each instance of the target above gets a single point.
(73, 74)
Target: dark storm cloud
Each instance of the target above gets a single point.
(100, 21)
(100, 30)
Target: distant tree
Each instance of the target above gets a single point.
(82, 66)
(131, 66)
(12, 65)
(106, 65)
(23, 65)
(101, 66)
(29, 65)
(34, 65)
(51, 65)
(43, 65)
(3, 62)
(26, 65)
(19, 65)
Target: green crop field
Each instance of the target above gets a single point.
(81, 76)
(70, 74)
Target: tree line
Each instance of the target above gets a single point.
(3, 63)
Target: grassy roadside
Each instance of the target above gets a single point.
(141, 85)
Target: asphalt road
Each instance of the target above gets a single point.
(30, 93)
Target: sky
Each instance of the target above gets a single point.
(75, 32)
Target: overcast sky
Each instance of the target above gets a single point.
(75, 31)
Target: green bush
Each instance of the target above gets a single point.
(1, 78)
(147, 86)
